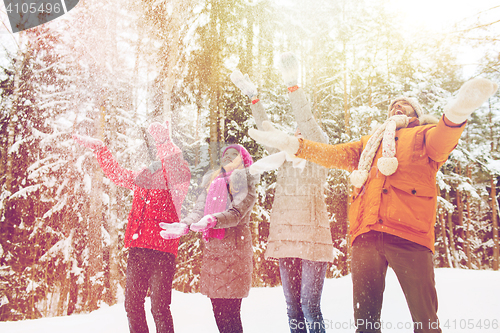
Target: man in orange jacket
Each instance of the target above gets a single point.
(393, 206)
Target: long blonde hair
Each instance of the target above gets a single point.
(237, 163)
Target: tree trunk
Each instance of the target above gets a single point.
(445, 239)
(494, 219)
(172, 56)
(493, 203)
(215, 109)
(460, 207)
(95, 227)
(442, 224)
(247, 65)
(467, 226)
(347, 115)
(11, 130)
(452, 235)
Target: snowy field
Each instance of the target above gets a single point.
(469, 301)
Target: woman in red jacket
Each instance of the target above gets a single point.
(159, 191)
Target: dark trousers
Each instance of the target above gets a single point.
(227, 314)
(413, 264)
(302, 282)
(154, 270)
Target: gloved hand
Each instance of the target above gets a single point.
(207, 222)
(273, 137)
(173, 230)
(471, 95)
(289, 67)
(88, 142)
(243, 82)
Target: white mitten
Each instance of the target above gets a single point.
(88, 142)
(471, 95)
(289, 67)
(207, 222)
(243, 82)
(273, 137)
(173, 230)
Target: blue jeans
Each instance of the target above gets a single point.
(153, 270)
(413, 264)
(302, 282)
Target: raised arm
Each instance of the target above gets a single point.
(308, 126)
(117, 174)
(248, 88)
(341, 156)
(443, 138)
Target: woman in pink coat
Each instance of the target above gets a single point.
(222, 212)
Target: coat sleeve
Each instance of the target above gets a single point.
(242, 203)
(199, 209)
(307, 124)
(259, 115)
(441, 140)
(118, 175)
(176, 172)
(340, 156)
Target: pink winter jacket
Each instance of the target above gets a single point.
(150, 206)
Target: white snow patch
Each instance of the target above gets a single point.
(478, 300)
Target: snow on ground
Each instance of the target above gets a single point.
(469, 301)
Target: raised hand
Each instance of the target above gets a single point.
(471, 95)
(289, 67)
(88, 142)
(243, 82)
(273, 137)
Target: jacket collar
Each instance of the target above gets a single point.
(425, 119)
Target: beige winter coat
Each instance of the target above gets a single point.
(299, 220)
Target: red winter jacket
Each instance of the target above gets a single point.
(150, 206)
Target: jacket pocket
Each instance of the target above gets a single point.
(412, 206)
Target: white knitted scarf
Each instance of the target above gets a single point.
(388, 163)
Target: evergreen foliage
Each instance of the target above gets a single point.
(111, 68)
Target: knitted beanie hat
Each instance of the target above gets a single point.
(160, 132)
(413, 102)
(245, 155)
(161, 135)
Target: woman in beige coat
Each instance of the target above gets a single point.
(299, 236)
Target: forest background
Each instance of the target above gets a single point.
(108, 69)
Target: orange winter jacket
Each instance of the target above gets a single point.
(404, 203)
